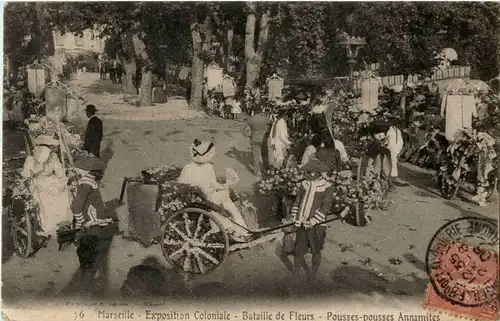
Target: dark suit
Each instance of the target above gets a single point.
(93, 136)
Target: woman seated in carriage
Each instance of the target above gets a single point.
(200, 173)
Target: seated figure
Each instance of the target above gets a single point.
(49, 188)
(201, 173)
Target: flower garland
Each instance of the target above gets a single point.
(348, 191)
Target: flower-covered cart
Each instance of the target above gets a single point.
(193, 238)
(470, 160)
(21, 195)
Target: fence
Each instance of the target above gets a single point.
(449, 73)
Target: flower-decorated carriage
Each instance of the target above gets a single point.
(35, 178)
(470, 160)
(194, 235)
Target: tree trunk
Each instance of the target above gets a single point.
(196, 98)
(498, 48)
(253, 57)
(128, 63)
(8, 69)
(229, 46)
(404, 94)
(129, 68)
(146, 97)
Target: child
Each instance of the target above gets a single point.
(314, 201)
(235, 109)
(89, 213)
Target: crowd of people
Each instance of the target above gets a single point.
(112, 68)
(270, 144)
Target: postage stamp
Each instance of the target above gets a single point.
(462, 264)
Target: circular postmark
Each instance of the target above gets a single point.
(462, 261)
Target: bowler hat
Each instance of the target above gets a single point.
(89, 163)
(90, 108)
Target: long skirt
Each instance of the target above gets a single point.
(52, 196)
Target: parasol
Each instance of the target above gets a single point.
(328, 113)
(449, 54)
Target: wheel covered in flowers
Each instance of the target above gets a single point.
(447, 186)
(194, 241)
(22, 228)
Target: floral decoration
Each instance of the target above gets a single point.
(471, 157)
(176, 196)
(348, 191)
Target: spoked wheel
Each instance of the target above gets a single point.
(194, 241)
(447, 188)
(22, 229)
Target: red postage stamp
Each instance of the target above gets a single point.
(462, 263)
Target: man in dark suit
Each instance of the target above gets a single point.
(93, 134)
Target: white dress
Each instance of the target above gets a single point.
(236, 108)
(395, 145)
(341, 148)
(310, 150)
(50, 192)
(278, 143)
(203, 176)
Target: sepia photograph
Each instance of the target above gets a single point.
(251, 161)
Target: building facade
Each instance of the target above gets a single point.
(70, 42)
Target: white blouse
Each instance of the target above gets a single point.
(200, 175)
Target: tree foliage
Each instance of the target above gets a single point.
(402, 36)
(283, 36)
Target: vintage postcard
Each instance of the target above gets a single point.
(250, 161)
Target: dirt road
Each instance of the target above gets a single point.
(356, 259)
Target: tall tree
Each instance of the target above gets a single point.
(128, 22)
(470, 28)
(254, 50)
(27, 34)
(402, 36)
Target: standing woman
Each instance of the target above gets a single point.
(278, 141)
(394, 141)
(158, 92)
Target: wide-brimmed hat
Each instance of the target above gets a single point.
(202, 152)
(89, 163)
(379, 126)
(315, 166)
(46, 140)
(322, 161)
(41, 154)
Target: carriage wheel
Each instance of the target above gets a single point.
(22, 231)
(447, 188)
(194, 241)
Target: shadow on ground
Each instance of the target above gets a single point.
(101, 270)
(464, 212)
(104, 86)
(423, 180)
(243, 157)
